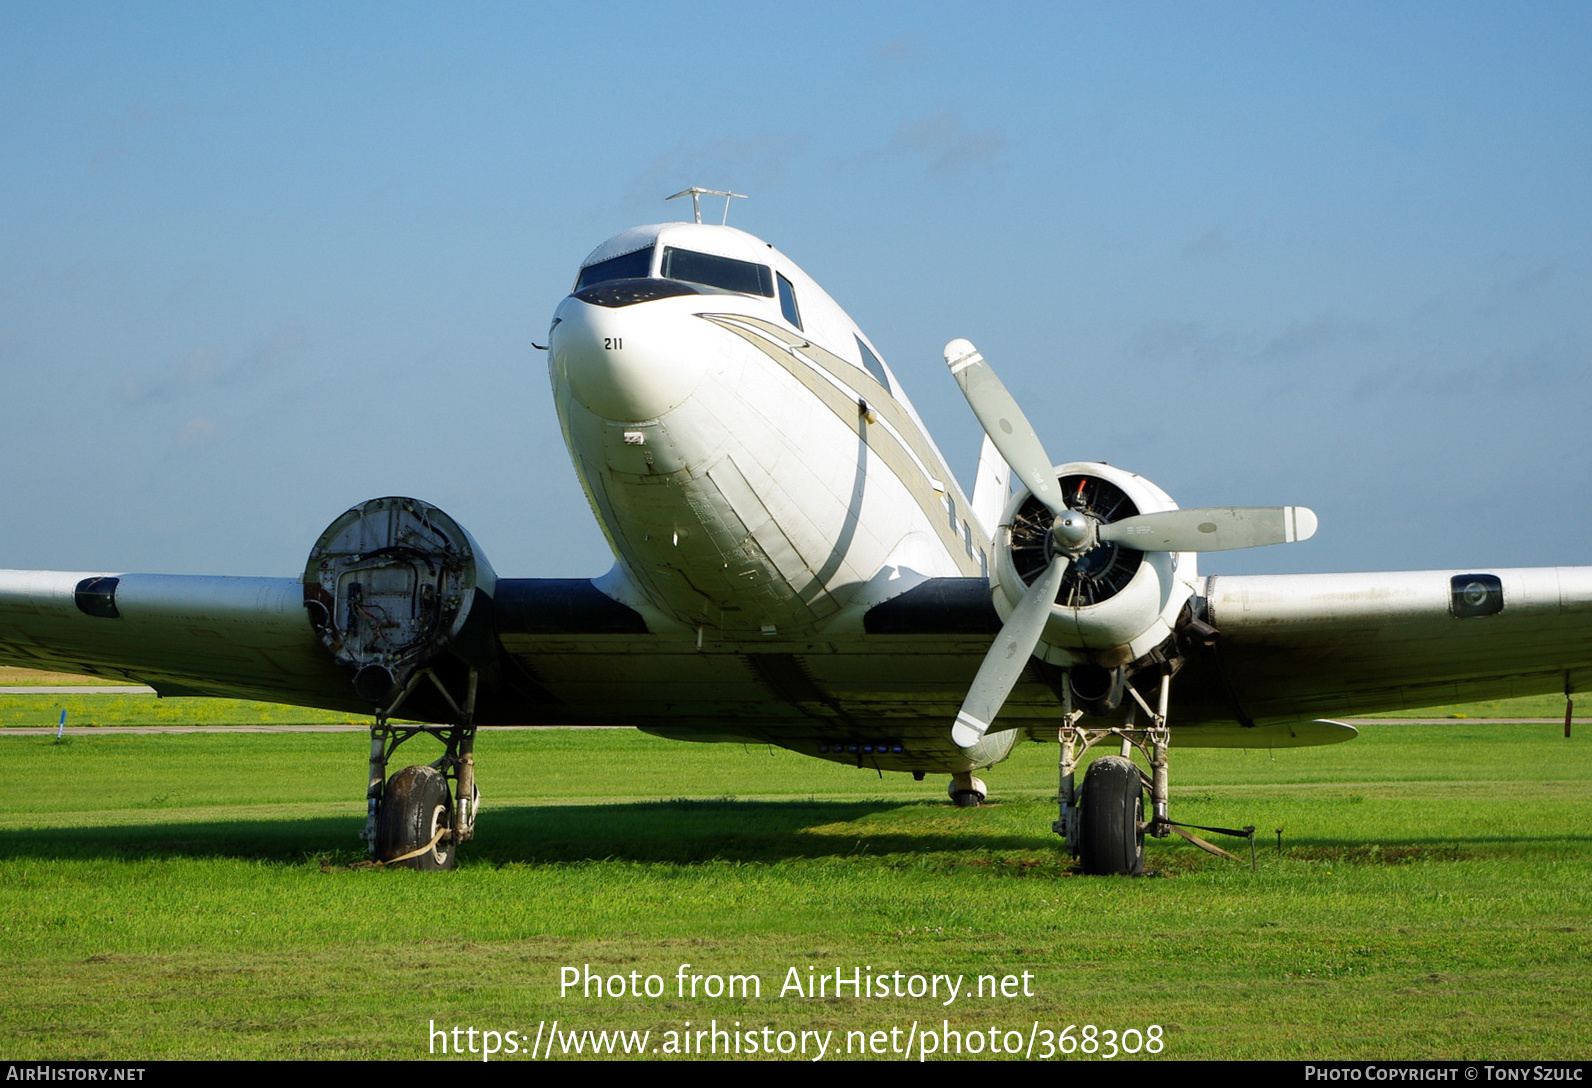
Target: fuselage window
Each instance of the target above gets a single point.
(714, 271)
(631, 266)
(871, 363)
(787, 302)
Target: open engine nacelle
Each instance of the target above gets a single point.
(1115, 604)
(392, 585)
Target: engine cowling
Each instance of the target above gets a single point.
(1115, 604)
(392, 585)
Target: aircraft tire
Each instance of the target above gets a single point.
(414, 807)
(1111, 843)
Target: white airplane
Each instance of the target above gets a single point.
(795, 564)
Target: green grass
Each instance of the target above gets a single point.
(149, 710)
(201, 896)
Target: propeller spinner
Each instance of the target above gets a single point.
(1073, 533)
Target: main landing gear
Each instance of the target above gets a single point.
(1105, 831)
(1104, 824)
(419, 816)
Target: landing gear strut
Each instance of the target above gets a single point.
(419, 816)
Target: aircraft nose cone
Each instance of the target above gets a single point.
(627, 364)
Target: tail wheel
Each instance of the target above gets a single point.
(967, 790)
(415, 823)
(1112, 835)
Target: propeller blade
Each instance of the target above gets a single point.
(1212, 528)
(1007, 657)
(1005, 423)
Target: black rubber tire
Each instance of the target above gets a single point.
(1111, 843)
(413, 806)
(967, 799)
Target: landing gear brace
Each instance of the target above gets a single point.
(1106, 831)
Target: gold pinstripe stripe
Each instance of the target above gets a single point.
(775, 343)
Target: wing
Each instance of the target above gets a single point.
(239, 638)
(1310, 646)
(1291, 649)
(253, 638)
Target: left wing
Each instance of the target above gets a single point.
(1303, 646)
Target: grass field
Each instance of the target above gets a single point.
(201, 896)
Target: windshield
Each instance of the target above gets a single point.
(630, 266)
(726, 272)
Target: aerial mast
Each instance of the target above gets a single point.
(696, 193)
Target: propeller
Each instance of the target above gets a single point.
(1005, 423)
(1073, 533)
(1017, 442)
(1007, 656)
(1212, 528)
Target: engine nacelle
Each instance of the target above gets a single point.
(392, 585)
(1115, 604)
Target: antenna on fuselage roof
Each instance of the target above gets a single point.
(696, 193)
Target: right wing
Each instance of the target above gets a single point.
(236, 638)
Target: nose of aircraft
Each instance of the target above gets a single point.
(628, 364)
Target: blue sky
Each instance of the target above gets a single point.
(261, 262)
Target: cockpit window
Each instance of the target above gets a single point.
(787, 302)
(627, 267)
(871, 363)
(743, 277)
